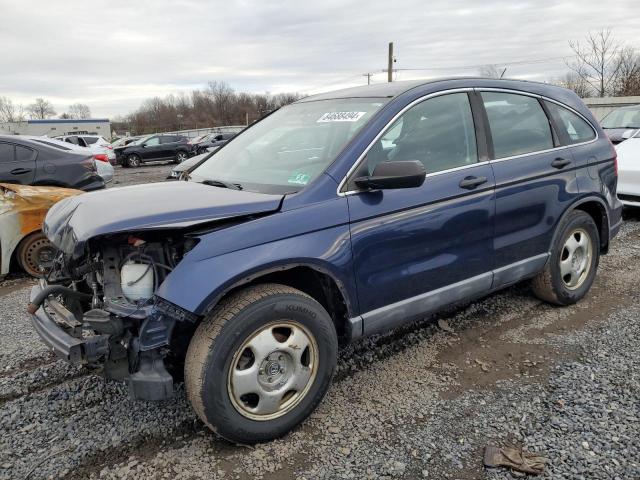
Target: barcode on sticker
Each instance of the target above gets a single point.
(341, 117)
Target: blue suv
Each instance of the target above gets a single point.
(342, 215)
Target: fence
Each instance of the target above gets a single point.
(600, 107)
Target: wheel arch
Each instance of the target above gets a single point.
(314, 280)
(596, 208)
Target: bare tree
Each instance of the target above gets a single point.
(41, 109)
(492, 71)
(628, 78)
(10, 112)
(596, 61)
(79, 111)
(218, 105)
(574, 82)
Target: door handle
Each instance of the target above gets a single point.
(470, 183)
(19, 171)
(560, 163)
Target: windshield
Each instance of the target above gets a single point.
(622, 118)
(141, 140)
(291, 147)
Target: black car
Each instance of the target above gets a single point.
(213, 140)
(153, 148)
(30, 160)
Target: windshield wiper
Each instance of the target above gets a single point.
(223, 184)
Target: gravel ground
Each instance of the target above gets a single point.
(417, 403)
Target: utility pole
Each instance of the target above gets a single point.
(390, 63)
(368, 75)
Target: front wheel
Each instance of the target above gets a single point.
(260, 363)
(573, 263)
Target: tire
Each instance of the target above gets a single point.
(181, 156)
(133, 161)
(34, 251)
(259, 316)
(569, 274)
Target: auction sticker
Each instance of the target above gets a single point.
(341, 117)
(299, 178)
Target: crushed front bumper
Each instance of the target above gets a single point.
(64, 339)
(135, 359)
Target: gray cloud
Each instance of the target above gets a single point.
(114, 54)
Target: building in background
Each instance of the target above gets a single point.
(55, 127)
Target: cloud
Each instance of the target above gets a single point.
(113, 54)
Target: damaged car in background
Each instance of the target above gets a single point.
(22, 211)
(342, 215)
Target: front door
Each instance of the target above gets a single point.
(418, 249)
(152, 150)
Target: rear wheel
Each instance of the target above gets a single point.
(260, 363)
(133, 160)
(572, 267)
(35, 254)
(181, 156)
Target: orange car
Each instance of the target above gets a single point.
(22, 210)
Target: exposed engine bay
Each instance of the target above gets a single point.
(105, 300)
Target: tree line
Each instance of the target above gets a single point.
(216, 105)
(41, 109)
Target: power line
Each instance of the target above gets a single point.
(480, 65)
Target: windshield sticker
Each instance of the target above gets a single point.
(299, 178)
(341, 117)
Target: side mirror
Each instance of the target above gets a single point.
(389, 175)
(628, 134)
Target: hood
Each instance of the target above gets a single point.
(70, 223)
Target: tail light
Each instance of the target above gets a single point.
(90, 164)
(615, 157)
(101, 157)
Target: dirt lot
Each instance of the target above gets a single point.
(417, 403)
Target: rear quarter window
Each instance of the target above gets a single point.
(572, 128)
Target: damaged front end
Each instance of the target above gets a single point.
(98, 304)
(100, 309)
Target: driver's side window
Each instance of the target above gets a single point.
(439, 132)
(152, 141)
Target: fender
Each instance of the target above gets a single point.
(251, 276)
(197, 284)
(604, 239)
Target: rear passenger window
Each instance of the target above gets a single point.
(572, 128)
(518, 124)
(90, 140)
(6, 152)
(24, 154)
(438, 132)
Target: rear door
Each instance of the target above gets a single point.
(169, 144)
(17, 163)
(418, 249)
(535, 182)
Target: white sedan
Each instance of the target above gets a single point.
(629, 170)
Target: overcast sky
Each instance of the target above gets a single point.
(113, 54)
